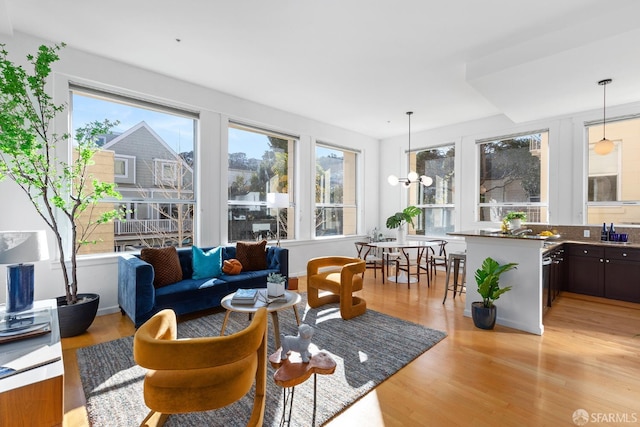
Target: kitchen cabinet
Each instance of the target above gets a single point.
(557, 276)
(586, 269)
(622, 274)
(604, 271)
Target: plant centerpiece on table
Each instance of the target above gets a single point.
(514, 220)
(399, 221)
(64, 192)
(488, 280)
(275, 284)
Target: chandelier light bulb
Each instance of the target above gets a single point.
(413, 177)
(426, 180)
(393, 180)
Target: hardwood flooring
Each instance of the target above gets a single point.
(588, 358)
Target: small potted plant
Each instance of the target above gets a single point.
(515, 219)
(399, 220)
(487, 277)
(275, 284)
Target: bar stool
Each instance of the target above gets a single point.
(455, 261)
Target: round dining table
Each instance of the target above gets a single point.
(403, 248)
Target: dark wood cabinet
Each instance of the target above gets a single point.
(622, 274)
(557, 275)
(586, 270)
(610, 272)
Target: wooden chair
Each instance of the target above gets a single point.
(369, 255)
(200, 374)
(341, 281)
(437, 257)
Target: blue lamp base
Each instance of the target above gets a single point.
(19, 287)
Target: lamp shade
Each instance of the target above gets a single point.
(277, 200)
(603, 147)
(23, 246)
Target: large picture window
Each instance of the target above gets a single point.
(336, 201)
(613, 183)
(150, 156)
(259, 165)
(514, 176)
(436, 200)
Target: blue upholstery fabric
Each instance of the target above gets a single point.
(206, 264)
(139, 300)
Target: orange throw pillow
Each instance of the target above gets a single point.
(231, 266)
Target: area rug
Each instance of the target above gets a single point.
(368, 349)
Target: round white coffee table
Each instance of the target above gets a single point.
(293, 298)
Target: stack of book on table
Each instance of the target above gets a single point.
(245, 296)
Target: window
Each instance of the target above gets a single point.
(436, 200)
(258, 165)
(151, 161)
(514, 176)
(336, 201)
(613, 190)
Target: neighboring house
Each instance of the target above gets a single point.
(157, 189)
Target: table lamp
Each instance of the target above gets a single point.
(18, 248)
(278, 200)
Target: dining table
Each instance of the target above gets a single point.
(404, 249)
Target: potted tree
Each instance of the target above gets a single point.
(64, 192)
(487, 278)
(399, 221)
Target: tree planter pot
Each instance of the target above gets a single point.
(75, 319)
(483, 318)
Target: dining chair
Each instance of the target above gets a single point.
(437, 256)
(370, 255)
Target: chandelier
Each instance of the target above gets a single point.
(411, 176)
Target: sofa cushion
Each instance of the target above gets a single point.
(166, 265)
(252, 255)
(231, 266)
(206, 264)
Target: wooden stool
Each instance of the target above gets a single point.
(293, 371)
(456, 260)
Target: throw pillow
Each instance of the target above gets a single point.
(165, 263)
(231, 266)
(252, 255)
(206, 264)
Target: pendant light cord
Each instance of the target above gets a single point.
(604, 83)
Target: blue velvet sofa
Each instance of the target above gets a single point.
(140, 300)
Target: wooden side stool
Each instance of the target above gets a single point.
(292, 371)
(455, 261)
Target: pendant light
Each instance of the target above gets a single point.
(604, 146)
(411, 176)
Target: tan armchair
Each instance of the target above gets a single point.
(200, 374)
(341, 282)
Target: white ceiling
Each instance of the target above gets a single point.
(361, 64)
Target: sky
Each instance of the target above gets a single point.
(176, 131)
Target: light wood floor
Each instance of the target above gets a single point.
(588, 358)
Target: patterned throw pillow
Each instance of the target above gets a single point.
(206, 264)
(231, 266)
(252, 255)
(166, 265)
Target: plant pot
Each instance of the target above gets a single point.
(275, 289)
(483, 318)
(514, 224)
(75, 319)
(401, 235)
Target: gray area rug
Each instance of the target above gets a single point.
(368, 349)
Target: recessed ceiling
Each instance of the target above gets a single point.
(361, 64)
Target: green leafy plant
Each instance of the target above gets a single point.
(63, 192)
(516, 215)
(275, 278)
(406, 216)
(488, 277)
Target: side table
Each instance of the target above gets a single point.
(293, 371)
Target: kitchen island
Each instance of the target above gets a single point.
(521, 307)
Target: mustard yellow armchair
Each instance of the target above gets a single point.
(200, 374)
(342, 283)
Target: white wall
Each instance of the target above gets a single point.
(99, 274)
